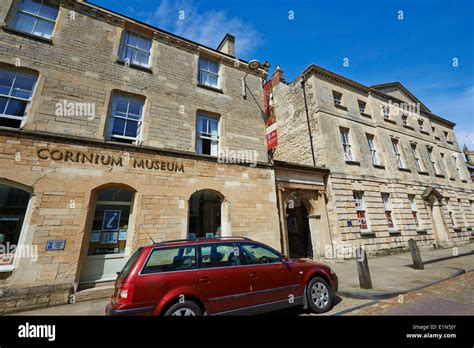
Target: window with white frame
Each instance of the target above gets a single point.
(386, 111)
(208, 72)
(337, 97)
(36, 17)
(207, 135)
(346, 144)
(16, 90)
(397, 153)
(360, 208)
(372, 149)
(388, 210)
(432, 159)
(125, 118)
(136, 49)
(414, 210)
(419, 165)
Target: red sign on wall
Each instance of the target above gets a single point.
(270, 119)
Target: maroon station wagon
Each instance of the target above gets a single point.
(218, 276)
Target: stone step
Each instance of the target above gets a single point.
(95, 293)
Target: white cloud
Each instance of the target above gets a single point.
(206, 27)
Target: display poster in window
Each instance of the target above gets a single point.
(95, 236)
(108, 237)
(123, 234)
(111, 220)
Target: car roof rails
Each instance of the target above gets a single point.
(201, 239)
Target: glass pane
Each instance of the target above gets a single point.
(115, 194)
(24, 23)
(203, 77)
(31, 6)
(49, 10)
(131, 39)
(202, 124)
(212, 79)
(23, 86)
(203, 64)
(6, 81)
(16, 107)
(121, 105)
(44, 28)
(127, 53)
(213, 66)
(215, 255)
(144, 43)
(118, 127)
(135, 108)
(141, 59)
(256, 254)
(171, 259)
(131, 129)
(213, 126)
(3, 103)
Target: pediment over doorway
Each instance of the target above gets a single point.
(431, 194)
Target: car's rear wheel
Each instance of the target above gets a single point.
(184, 309)
(319, 295)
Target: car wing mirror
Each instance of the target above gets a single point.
(285, 259)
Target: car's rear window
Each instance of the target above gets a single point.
(128, 266)
(171, 260)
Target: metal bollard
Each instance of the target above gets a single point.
(415, 254)
(363, 269)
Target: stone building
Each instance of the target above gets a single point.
(396, 169)
(113, 132)
(469, 161)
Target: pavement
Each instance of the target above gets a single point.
(445, 286)
(393, 275)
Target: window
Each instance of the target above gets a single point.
(136, 49)
(111, 222)
(463, 213)
(208, 72)
(432, 159)
(414, 210)
(346, 144)
(218, 255)
(36, 17)
(446, 135)
(405, 119)
(171, 260)
(337, 97)
(420, 124)
(16, 90)
(207, 135)
(456, 165)
(397, 153)
(388, 210)
(386, 111)
(255, 254)
(362, 106)
(450, 212)
(414, 149)
(372, 150)
(445, 165)
(360, 208)
(205, 209)
(125, 118)
(433, 129)
(13, 206)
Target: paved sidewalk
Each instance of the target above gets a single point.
(394, 274)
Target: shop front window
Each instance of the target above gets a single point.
(111, 222)
(13, 207)
(205, 212)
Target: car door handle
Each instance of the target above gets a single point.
(254, 274)
(205, 280)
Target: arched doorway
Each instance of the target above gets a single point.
(297, 224)
(108, 235)
(205, 214)
(14, 203)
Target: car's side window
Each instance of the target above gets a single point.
(255, 254)
(218, 255)
(170, 260)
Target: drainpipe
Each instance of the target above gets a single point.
(303, 81)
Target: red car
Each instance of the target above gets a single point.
(218, 276)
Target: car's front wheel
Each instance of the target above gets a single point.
(319, 295)
(184, 309)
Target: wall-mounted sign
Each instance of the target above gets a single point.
(55, 245)
(349, 223)
(111, 220)
(270, 119)
(95, 236)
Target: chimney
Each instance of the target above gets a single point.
(277, 76)
(227, 45)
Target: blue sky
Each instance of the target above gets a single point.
(417, 50)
